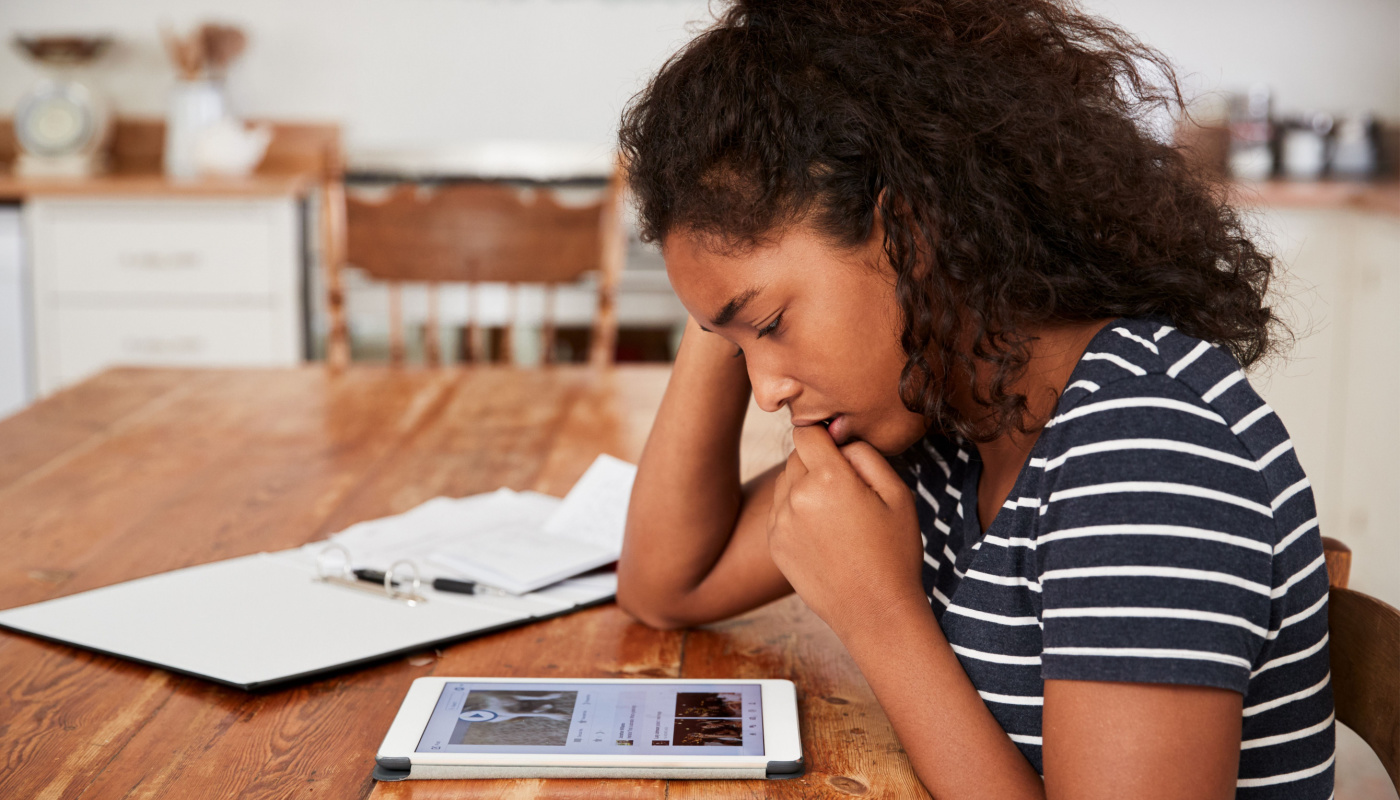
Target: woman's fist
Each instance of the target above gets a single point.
(843, 530)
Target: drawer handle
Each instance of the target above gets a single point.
(162, 262)
(158, 346)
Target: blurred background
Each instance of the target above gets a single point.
(269, 182)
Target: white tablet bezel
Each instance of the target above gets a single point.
(781, 739)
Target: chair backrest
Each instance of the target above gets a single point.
(1365, 649)
(478, 232)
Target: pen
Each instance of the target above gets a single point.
(440, 584)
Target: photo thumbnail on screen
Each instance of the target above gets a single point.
(513, 717)
(709, 732)
(709, 704)
(709, 719)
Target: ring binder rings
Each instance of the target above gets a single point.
(345, 576)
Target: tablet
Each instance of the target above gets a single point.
(593, 728)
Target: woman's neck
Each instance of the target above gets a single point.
(1054, 353)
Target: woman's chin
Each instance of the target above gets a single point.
(892, 438)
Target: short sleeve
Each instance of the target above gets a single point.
(1154, 541)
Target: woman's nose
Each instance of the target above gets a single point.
(772, 390)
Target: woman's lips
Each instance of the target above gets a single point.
(839, 428)
(837, 425)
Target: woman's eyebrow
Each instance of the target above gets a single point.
(734, 306)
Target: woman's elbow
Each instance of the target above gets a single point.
(646, 610)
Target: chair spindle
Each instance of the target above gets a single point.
(432, 351)
(512, 316)
(396, 346)
(548, 334)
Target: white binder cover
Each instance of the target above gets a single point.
(265, 619)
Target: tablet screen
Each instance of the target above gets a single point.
(597, 718)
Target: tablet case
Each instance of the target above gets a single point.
(401, 769)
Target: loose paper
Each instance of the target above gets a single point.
(516, 541)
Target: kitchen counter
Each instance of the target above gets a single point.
(300, 156)
(131, 267)
(1380, 197)
(14, 188)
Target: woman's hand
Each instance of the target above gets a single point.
(843, 530)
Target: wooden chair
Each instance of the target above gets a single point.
(479, 232)
(1365, 648)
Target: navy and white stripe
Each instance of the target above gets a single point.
(1161, 532)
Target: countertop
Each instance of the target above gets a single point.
(143, 184)
(1383, 197)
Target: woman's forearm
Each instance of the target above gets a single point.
(687, 496)
(953, 742)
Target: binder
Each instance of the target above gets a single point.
(270, 619)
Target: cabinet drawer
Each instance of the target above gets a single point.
(164, 248)
(90, 339)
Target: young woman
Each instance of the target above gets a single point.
(1067, 544)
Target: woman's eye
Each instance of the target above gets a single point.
(771, 327)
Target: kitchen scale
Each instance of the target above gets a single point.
(61, 123)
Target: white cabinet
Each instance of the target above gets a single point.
(1338, 391)
(93, 337)
(163, 282)
(16, 375)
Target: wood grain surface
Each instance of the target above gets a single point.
(141, 471)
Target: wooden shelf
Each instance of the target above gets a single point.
(15, 188)
(300, 156)
(1383, 197)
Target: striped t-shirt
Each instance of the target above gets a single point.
(1162, 531)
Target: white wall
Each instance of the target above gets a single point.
(395, 72)
(425, 72)
(1341, 56)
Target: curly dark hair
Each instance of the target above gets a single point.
(1003, 144)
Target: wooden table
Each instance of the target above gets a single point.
(136, 472)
